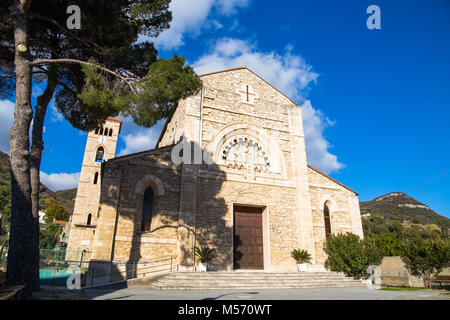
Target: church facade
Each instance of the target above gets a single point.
(229, 172)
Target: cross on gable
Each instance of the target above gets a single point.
(247, 94)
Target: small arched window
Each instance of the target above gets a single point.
(101, 131)
(95, 177)
(110, 132)
(96, 130)
(326, 216)
(99, 154)
(147, 209)
(89, 219)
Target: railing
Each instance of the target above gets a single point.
(61, 258)
(57, 258)
(132, 270)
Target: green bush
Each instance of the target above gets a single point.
(387, 244)
(425, 257)
(349, 254)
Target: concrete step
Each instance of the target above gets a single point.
(255, 280)
(247, 284)
(198, 276)
(253, 287)
(216, 276)
(253, 273)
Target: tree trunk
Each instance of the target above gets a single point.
(18, 270)
(37, 145)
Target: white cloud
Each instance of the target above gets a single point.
(55, 115)
(6, 122)
(186, 19)
(289, 73)
(36, 91)
(60, 181)
(138, 138)
(317, 146)
(230, 6)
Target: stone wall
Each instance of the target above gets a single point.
(88, 193)
(394, 273)
(342, 211)
(152, 169)
(194, 203)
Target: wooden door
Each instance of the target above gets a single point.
(248, 238)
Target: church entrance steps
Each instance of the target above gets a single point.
(255, 280)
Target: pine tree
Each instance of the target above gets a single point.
(92, 73)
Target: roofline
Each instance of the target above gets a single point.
(324, 174)
(165, 127)
(116, 120)
(220, 71)
(245, 67)
(139, 153)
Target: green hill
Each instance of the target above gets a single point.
(399, 206)
(65, 198)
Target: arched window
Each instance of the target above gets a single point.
(110, 132)
(99, 154)
(101, 131)
(96, 130)
(95, 177)
(326, 216)
(106, 131)
(89, 219)
(147, 209)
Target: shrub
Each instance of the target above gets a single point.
(301, 256)
(347, 253)
(424, 257)
(387, 244)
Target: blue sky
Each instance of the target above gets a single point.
(376, 102)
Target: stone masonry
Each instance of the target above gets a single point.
(253, 136)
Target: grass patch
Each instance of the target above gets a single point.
(403, 289)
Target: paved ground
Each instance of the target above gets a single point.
(291, 294)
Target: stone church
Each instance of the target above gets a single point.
(229, 171)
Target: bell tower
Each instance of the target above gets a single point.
(100, 146)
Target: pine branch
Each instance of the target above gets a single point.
(127, 80)
(87, 43)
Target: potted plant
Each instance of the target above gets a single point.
(205, 255)
(302, 257)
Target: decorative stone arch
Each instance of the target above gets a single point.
(332, 204)
(253, 132)
(149, 181)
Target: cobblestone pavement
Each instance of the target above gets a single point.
(60, 293)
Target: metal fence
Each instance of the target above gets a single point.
(3, 257)
(56, 265)
(61, 258)
(57, 258)
(119, 271)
